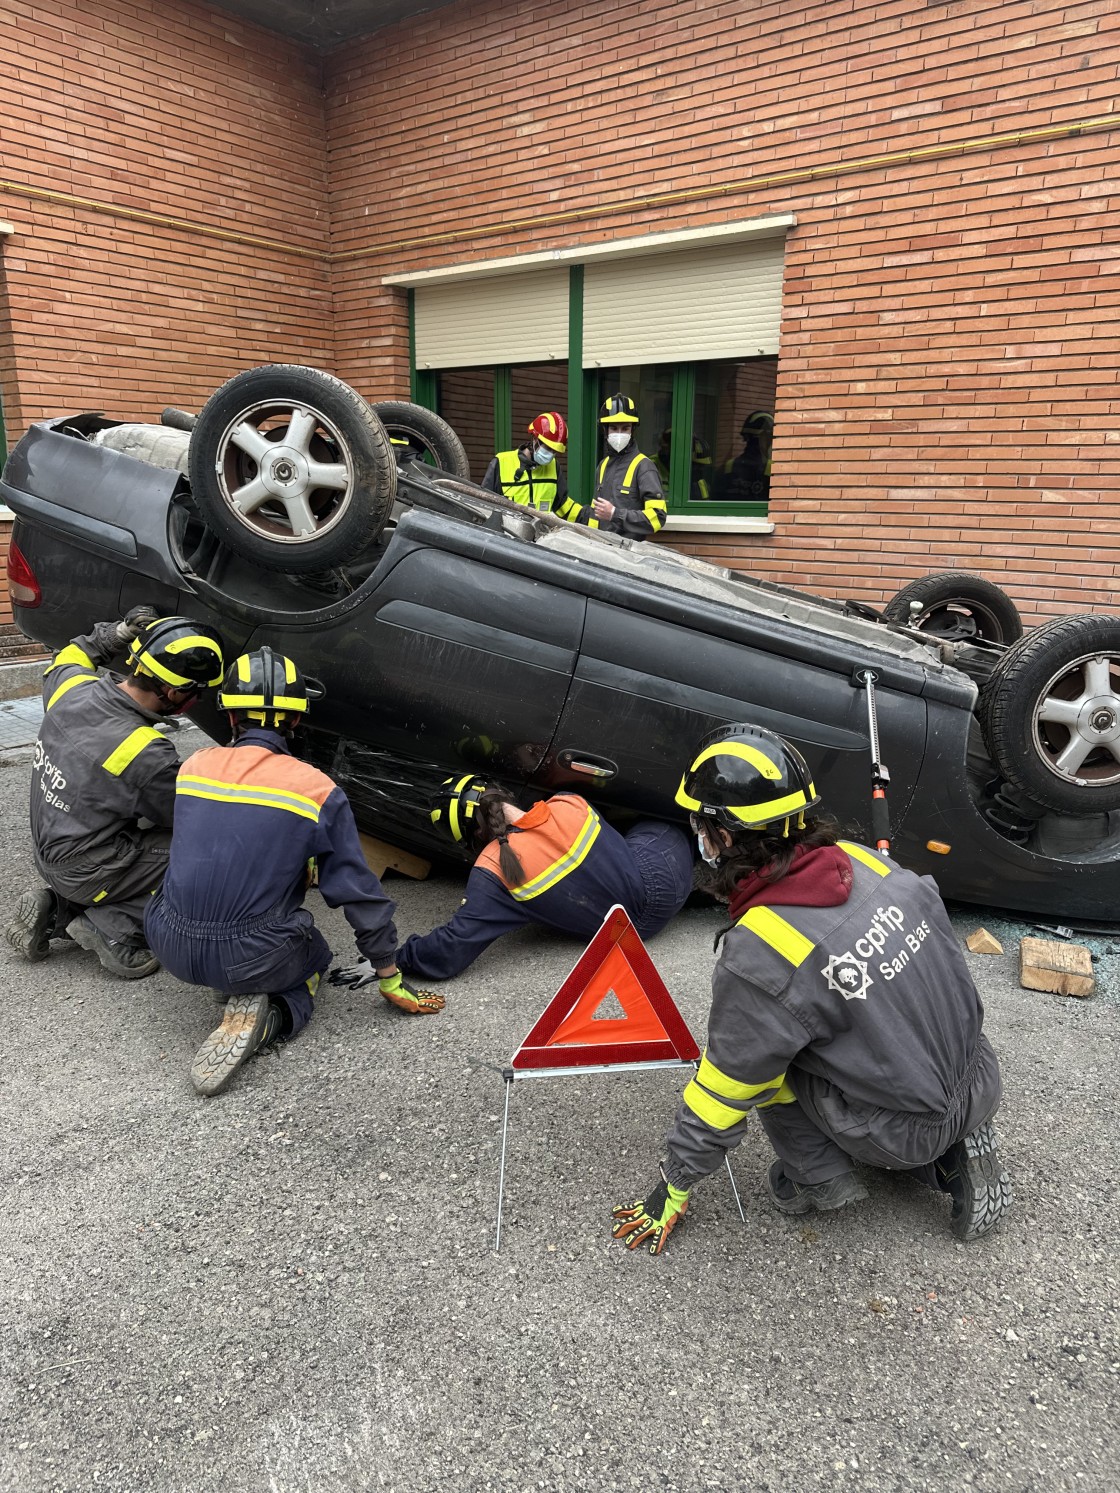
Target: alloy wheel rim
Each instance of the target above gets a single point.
(284, 471)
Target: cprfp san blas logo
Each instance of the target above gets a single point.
(848, 976)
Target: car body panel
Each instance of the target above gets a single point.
(486, 640)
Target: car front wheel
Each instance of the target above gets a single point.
(1050, 714)
(292, 469)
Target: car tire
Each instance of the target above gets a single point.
(261, 442)
(427, 433)
(1050, 715)
(956, 606)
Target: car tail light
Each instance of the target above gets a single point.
(23, 588)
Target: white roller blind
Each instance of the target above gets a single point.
(501, 319)
(721, 302)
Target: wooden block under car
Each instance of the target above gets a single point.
(1063, 968)
(983, 942)
(381, 857)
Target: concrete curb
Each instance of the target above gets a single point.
(18, 681)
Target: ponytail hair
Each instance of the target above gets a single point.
(490, 823)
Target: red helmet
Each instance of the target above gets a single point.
(551, 430)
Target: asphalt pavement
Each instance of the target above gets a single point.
(292, 1288)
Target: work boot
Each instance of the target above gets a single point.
(33, 924)
(789, 1196)
(128, 961)
(972, 1173)
(250, 1023)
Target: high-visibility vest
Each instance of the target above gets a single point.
(535, 487)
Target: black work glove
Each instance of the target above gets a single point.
(134, 623)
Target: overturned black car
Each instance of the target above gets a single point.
(455, 630)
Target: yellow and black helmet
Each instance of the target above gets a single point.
(266, 687)
(177, 652)
(618, 409)
(454, 805)
(745, 777)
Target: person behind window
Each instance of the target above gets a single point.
(530, 475)
(746, 477)
(699, 489)
(629, 498)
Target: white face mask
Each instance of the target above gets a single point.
(702, 846)
(542, 456)
(617, 440)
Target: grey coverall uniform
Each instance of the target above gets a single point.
(855, 1031)
(630, 481)
(99, 769)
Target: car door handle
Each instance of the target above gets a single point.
(590, 766)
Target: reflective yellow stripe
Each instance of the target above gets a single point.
(867, 857)
(627, 481)
(785, 1095)
(453, 808)
(68, 684)
(654, 510)
(730, 1088)
(714, 1113)
(71, 654)
(782, 937)
(102, 895)
(246, 702)
(567, 863)
(129, 749)
(752, 754)
(244, 793)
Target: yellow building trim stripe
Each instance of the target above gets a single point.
(68, 684)
(782, 937)
(865, 857)
(129, 749)
(565, 865)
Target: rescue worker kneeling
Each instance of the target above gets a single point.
(252, 823)
(842, 1010)
(556, 864)
(103, 785)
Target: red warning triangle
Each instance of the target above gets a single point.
(615, 963)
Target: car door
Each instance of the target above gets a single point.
(654, 677)
(451, 659)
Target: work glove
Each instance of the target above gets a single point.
(400, 993)
(650, 1220)
(134, 622)
(353, 976)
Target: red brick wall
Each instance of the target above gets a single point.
(947, 383)
(169, 109)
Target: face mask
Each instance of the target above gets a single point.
(617, 440)
(702, 846)
(542, 456)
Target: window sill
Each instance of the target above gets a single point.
(716, 524)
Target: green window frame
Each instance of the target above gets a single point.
(587, 388)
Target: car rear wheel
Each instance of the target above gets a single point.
(1050, 715)
(427, 436)
(956, 606)
(292, 469)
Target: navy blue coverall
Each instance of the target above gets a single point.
(251, 824)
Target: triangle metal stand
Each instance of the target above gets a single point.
(509, 1075)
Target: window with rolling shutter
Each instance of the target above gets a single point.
(516, 318)
(685, 306)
